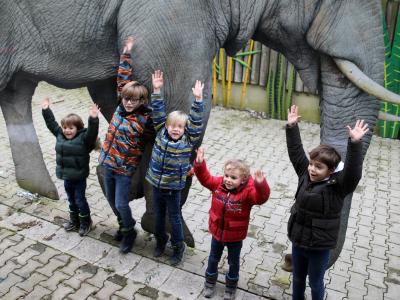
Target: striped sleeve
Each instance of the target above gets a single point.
(195, 122)
(124, 72)
(158, 114)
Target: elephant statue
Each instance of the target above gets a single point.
(335, 45)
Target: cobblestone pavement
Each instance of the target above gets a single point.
(39, 260)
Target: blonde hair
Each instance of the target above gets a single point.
(72, 120)
(175, 116)
(238, 164)
(134, 90)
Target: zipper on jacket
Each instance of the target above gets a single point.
(223, 216)
(162, 164)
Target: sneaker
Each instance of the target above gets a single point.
(178, 254)
(230, 289)
(73, 223)
(85, 225)
(209, 289)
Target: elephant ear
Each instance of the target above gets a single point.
(7, 51)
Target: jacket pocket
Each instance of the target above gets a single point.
(324, 232)
(237, 225)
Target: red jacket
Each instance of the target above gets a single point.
(230, 210)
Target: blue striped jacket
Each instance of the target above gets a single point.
(170, 160)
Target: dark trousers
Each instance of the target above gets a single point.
(313, 263)
(163, 201)
(117, 191)
(75, 190)
(217, 248)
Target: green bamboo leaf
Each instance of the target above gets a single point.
(247, 53)
(243, 63)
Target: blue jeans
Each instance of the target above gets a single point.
(117, 189)
(170, 200)
(313, 263)
(75, 190)
(217, 248)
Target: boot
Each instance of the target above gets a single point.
(230, 289)
(85, 226)
(128, 238)
(160, 246)
(73, 223)
(209, 285)
(118, 235)
(179, 251)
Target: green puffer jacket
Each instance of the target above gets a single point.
(72, 156)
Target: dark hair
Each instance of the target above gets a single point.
(327, 155)
(134, 90)
(72, 120)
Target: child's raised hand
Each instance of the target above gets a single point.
(94, 111)
(158, 81)
(359, 130)
(198, 90)
(128, 44)
(200, 155)
(259, 176)
(46, 103)
(293, 117)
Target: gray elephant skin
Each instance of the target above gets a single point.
(75, 43)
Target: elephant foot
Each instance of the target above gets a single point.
(148, 224)
(287, 265)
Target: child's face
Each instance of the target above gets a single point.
(69, 131)
(176, 129)
(232, 178)
(131, 104)
(318, 171)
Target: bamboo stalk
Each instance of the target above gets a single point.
(215, 82)
(222, 69)
(246, 77)
(230, 63)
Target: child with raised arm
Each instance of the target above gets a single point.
(177, 134)
(73, 145)
(324, 181)
(124, 145)
(233, 196)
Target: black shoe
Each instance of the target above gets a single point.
(160, 246)
(209, 285)
(118, 235)
(177, 256)
(73, 223)
(128, 238)
(85, 226)
(230, 289)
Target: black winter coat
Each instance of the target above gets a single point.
(315, 216)
(72, 156)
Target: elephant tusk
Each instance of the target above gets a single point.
(363, 82)
(388, 117)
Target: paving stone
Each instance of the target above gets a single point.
(46, 255)
(374, 292)
(15, 293)
(72, 266)
(90, 250)
(61, 292)
(6, 255)
(49, 269)
(107, 290)
(334, 295)
(130, 289)
(183, 285)
(99, 279)
(8, 282)
(28, 269)
(54, 281)
(84, 291)
(117, 262)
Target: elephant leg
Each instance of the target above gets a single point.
(30, 170)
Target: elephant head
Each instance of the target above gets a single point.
(75, 43)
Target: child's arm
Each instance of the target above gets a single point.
(125, 66)
(48, 116)
(352, 170)
(157, 102)
(195, 122)
(261, 191)
(93, 127)
(293, 140)
(202, 173)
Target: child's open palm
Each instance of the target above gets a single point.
(46, 103)
(94, 111)
(200, 155)
(198, 90)
(157, 80)
(359, 130)
(259, 176)
(293, 115)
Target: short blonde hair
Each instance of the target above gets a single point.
(134, 90)
(176, 116)
(238, 164)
